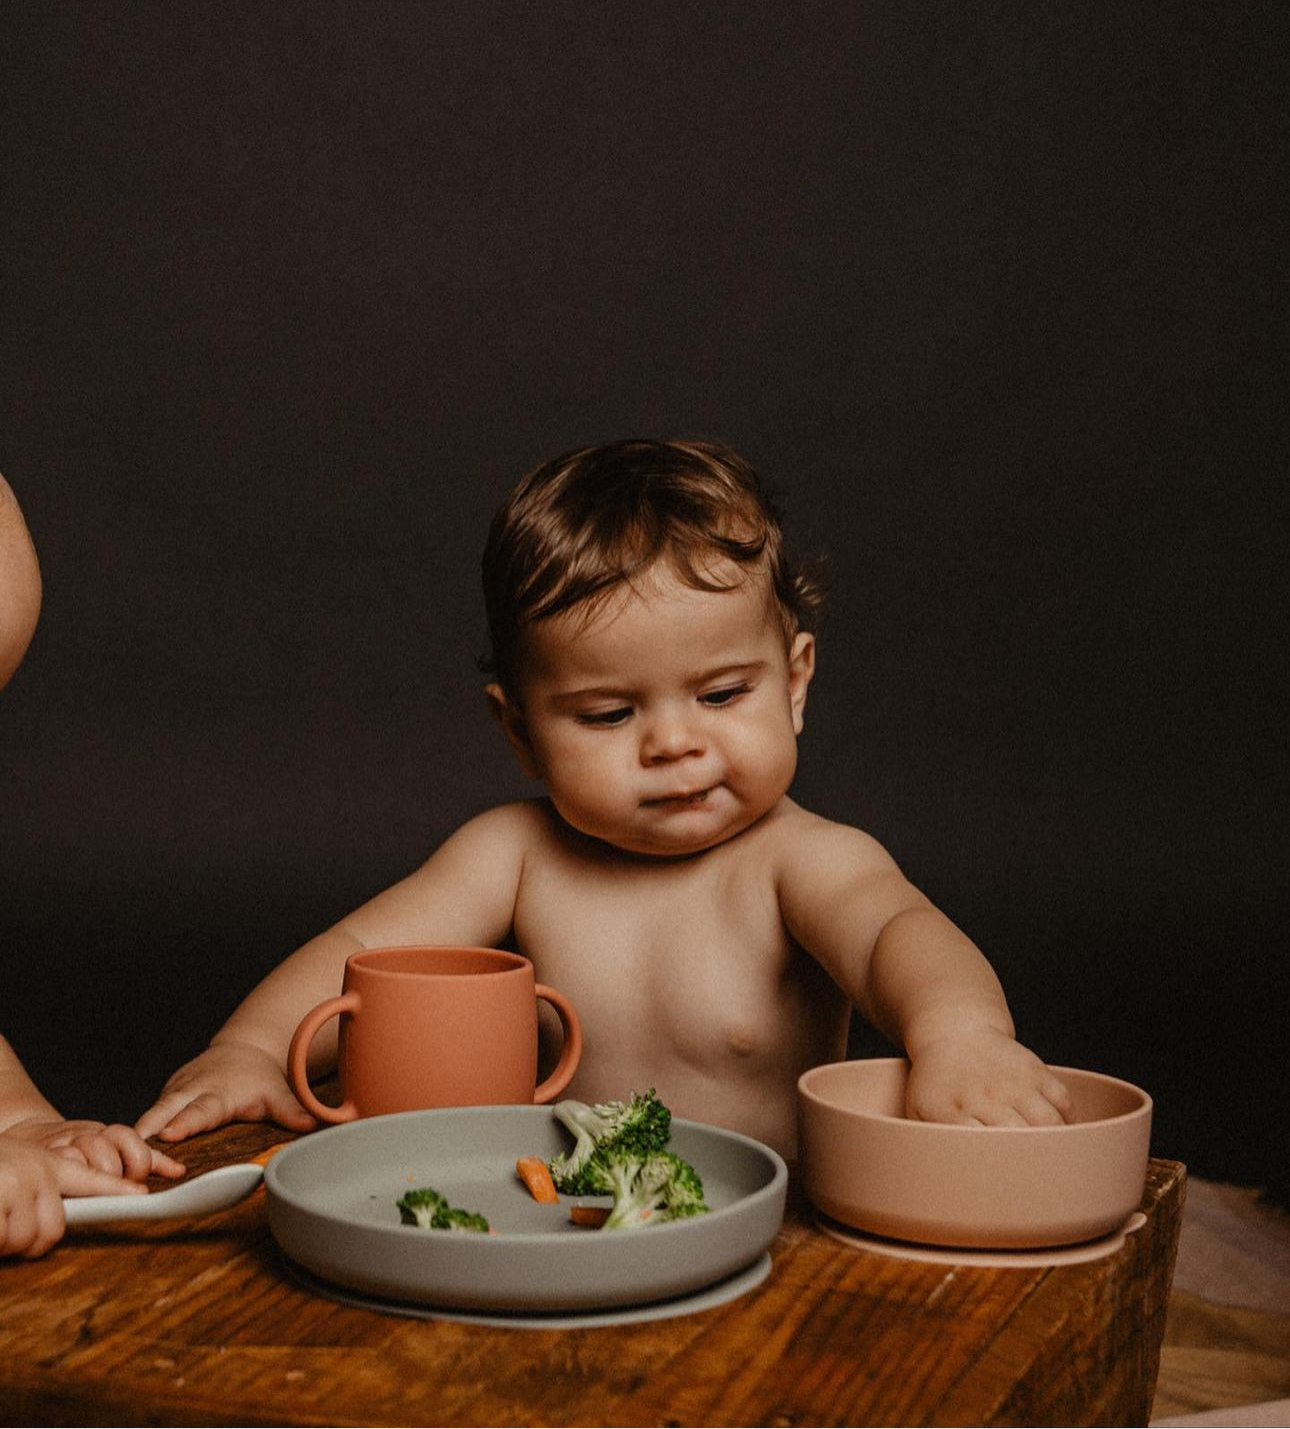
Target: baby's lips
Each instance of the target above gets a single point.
(683, 796)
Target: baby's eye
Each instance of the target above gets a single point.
(603, 717)
(717, 698)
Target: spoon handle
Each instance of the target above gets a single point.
(212, 1191)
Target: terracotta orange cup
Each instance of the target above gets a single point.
(432, 1027)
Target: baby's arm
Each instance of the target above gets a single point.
(917, 978)
(464, 894)
(115, 1151)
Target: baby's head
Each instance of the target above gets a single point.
(600, 517)
(651, 640)
(19, 584)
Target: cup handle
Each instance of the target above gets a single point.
(570, 1053)
(298, 1059)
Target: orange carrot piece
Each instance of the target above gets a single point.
(263, 1158)
(532, 1171)
(593, 1216)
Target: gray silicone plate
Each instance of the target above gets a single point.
(332, 1195)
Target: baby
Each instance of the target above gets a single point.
(652, 653)
(43, 1156)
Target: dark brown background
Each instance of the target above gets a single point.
(991, 293)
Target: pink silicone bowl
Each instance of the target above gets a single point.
(987, 1187)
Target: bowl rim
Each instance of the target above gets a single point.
(807, 1093)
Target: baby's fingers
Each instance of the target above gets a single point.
(30, 1228)
(163, 1165)
(283, 1108)
(1041, 1105)
(136, 1158)
(997, 1114)
(1037, 1111)
(158, 1114)
(96, 1150)
(1057, 1094)
(179, 1116)
(74, 1178)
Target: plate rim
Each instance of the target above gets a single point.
(502, 1239)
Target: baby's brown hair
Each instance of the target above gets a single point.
(585, 522)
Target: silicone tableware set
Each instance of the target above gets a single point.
(421, 1105)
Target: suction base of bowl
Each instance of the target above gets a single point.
(1029, 1259)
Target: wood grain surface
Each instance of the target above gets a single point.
(196, 1322)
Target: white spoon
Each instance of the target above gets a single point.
(204, 1194)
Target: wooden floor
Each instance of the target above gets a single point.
(1226, 1356)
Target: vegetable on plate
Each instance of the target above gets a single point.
(532, 1170)
(426, 1208)
(619, 1150)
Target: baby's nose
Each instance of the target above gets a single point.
(668, 736)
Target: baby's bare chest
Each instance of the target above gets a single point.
(652, 915)
(692, 961)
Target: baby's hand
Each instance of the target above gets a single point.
(984, 1078)
(33, 1182)
(114, 1150)
(227, 1082)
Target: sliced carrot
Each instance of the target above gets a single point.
(532, 1171)
(263, 1158)
(593, 1216)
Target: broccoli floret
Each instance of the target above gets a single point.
(640, 1125)
(649, 1189)
(426, 1208)
(417, 1208)
(453, 1218)
(619, 1151)
(684, 1191)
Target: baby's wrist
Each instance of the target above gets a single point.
(21, 1100)
(935, 1036)
(29, 1124)
(243, 1041)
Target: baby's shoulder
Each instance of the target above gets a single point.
(797, 838)
(503, 835)
(524, 824)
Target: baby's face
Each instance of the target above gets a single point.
(19, 584)
(668, 723)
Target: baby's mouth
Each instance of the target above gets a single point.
(680, 801)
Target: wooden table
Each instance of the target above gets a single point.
(196, 1323)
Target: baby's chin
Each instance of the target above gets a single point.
(681, 838)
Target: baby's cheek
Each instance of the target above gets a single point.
(588, 803)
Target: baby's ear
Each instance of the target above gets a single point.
(511, 719)
(801, 666)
